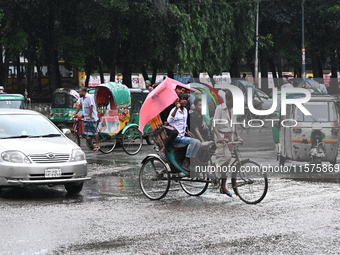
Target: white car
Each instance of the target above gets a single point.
(33, 151)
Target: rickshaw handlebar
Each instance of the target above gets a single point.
(235, 142)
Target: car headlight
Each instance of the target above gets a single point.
(15, 157)
(78, 155)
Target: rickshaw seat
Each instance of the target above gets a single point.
(110, 119)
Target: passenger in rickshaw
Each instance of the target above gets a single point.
(171, 132)
(197, 126)
(178, 119)
(223, 133)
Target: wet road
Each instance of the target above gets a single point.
(112, 216)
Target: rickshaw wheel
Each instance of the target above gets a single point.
(193, 188)
(154, 178)
(250, 186)
(132, 141)
(106, 143)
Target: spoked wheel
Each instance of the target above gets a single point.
(132, 141)
(154, 179)
(194, 188)
(250, 183)
(107, 143)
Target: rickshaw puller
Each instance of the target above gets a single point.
(88, 104)
(224, 133)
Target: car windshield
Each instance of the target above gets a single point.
(59, 99)
(13, 104)
(21, 126)
(321, 111)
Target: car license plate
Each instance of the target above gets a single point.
(52, 173)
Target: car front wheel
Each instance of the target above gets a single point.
(74, 188)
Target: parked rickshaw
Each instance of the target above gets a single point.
(64, 106)
(137, 98)
(315, 138)
(113, 102)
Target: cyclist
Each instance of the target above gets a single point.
(224, 132)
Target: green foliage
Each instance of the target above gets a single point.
(1, 16)
(191, 35)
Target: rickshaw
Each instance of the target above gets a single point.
(313, 138)
(156, 174)
(113, 102)
(64, 106)
(137, 98)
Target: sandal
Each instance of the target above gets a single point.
(228, 193)
(96, 148)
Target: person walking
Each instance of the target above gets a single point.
(88, 104)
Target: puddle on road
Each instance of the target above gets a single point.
(97, 167)
(110, 187)
(111, 179)
(110, 162)
(98, 189)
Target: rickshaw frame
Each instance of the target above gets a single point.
(115, 97)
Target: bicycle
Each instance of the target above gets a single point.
(156, 175)
(106, 142)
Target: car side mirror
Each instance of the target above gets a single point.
(66, 131)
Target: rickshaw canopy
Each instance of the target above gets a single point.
(157, 100)
(115, 94)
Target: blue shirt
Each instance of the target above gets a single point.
(86, 103)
